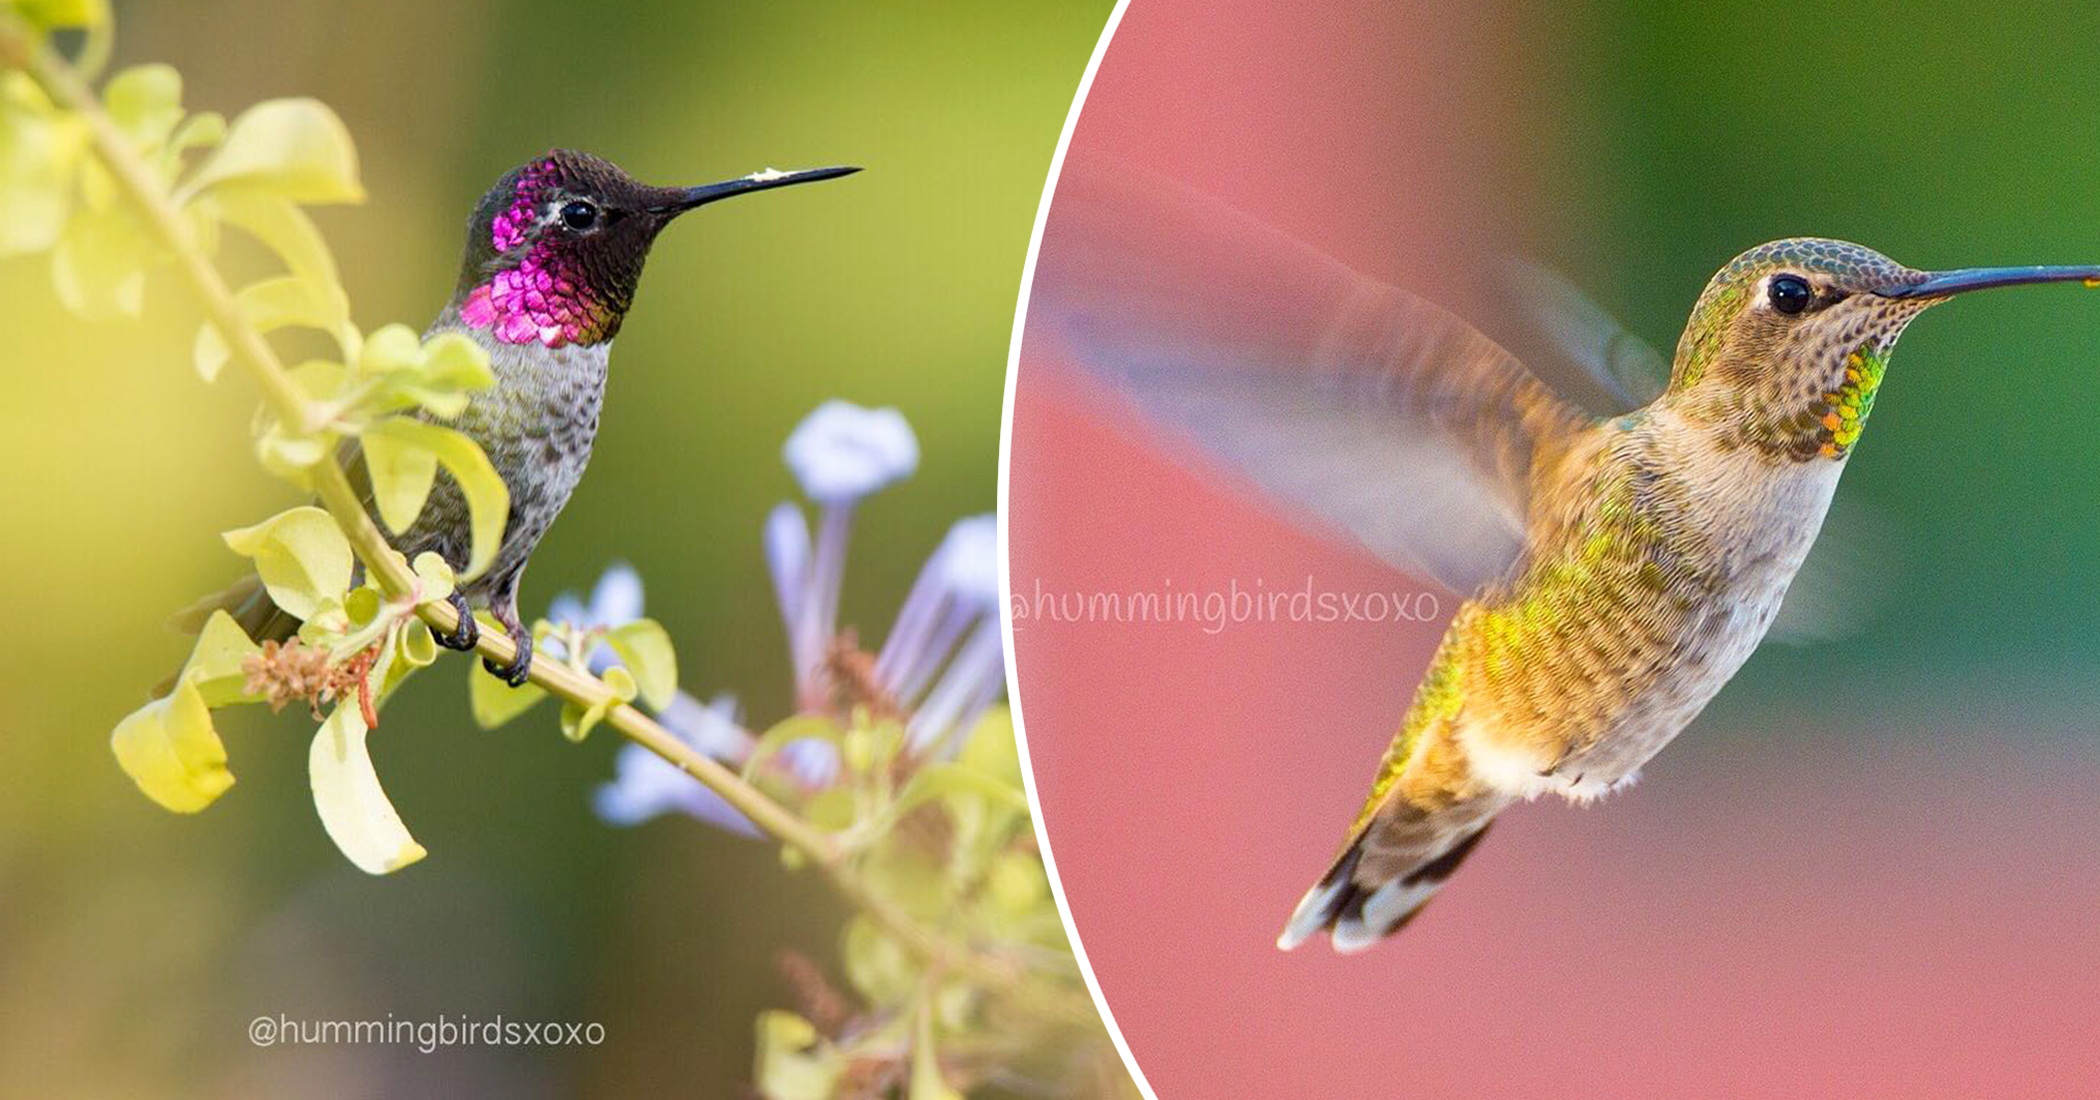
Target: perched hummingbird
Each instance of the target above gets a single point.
(553, 254)
(1619, 570)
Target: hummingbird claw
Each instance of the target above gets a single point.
(464, 636)
(519, 670)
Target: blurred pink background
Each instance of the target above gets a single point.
(1802, 898)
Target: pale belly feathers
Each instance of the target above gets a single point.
(1758, 521)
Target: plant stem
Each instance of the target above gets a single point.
(63, 83)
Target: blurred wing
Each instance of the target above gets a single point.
(1845, 580)
(1625, 366)
(1364, 411)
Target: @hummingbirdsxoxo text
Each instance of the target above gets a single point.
(426, 1035)
(1214, 609)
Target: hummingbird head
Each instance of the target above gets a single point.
(1787, 346)
(556, 247)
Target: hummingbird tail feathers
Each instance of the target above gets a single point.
(250, 605)
(1357, 910)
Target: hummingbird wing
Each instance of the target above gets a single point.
(1627, 368)
(1365, 411)
(1846, 579)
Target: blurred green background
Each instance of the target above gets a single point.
(136, 945)
(1665, 138)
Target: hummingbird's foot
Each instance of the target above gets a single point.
(464, 636)
(518, 671)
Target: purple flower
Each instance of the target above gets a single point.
(645, 785)
(813, 761)
(616, 601)
(943, 661)
(840, 453)
(945, 655)
(788, 560)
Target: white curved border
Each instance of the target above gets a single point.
(1006, 623)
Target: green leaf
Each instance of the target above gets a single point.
(436, 376)
(418, 645)
(293, 148)
(278, 225)
(390, 348)
(991, 748)
(408, 395)
(281, 227)
(944, 781)
(911, 877)
(171, 751)
(773, 740)
(410, 646)
(645, 649)
(794, 1062)
(402, 471)
(833, 809)
(301, 556)
(321, 379)
(285, 229)
(457, 362)
(288, 455)
(495, 702)
(38, 151)
(347, 796)
(488, 498)
(99, 265)
(328, 624)
(362, 605)
(214, 667)
(877, 965)
(578, 721)
(203, 130)
(209, 352)
(145, 101)
(872, 744)
(926, 1080)
(434, 576)
(57, 14)
(272, 304)
(1016, 884)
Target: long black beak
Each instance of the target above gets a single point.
(1940, 284)
(744, 185)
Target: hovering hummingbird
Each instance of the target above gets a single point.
(554, 251)
(1618, 570)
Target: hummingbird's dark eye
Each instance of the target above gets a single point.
(1789, 293)
(579, 215)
